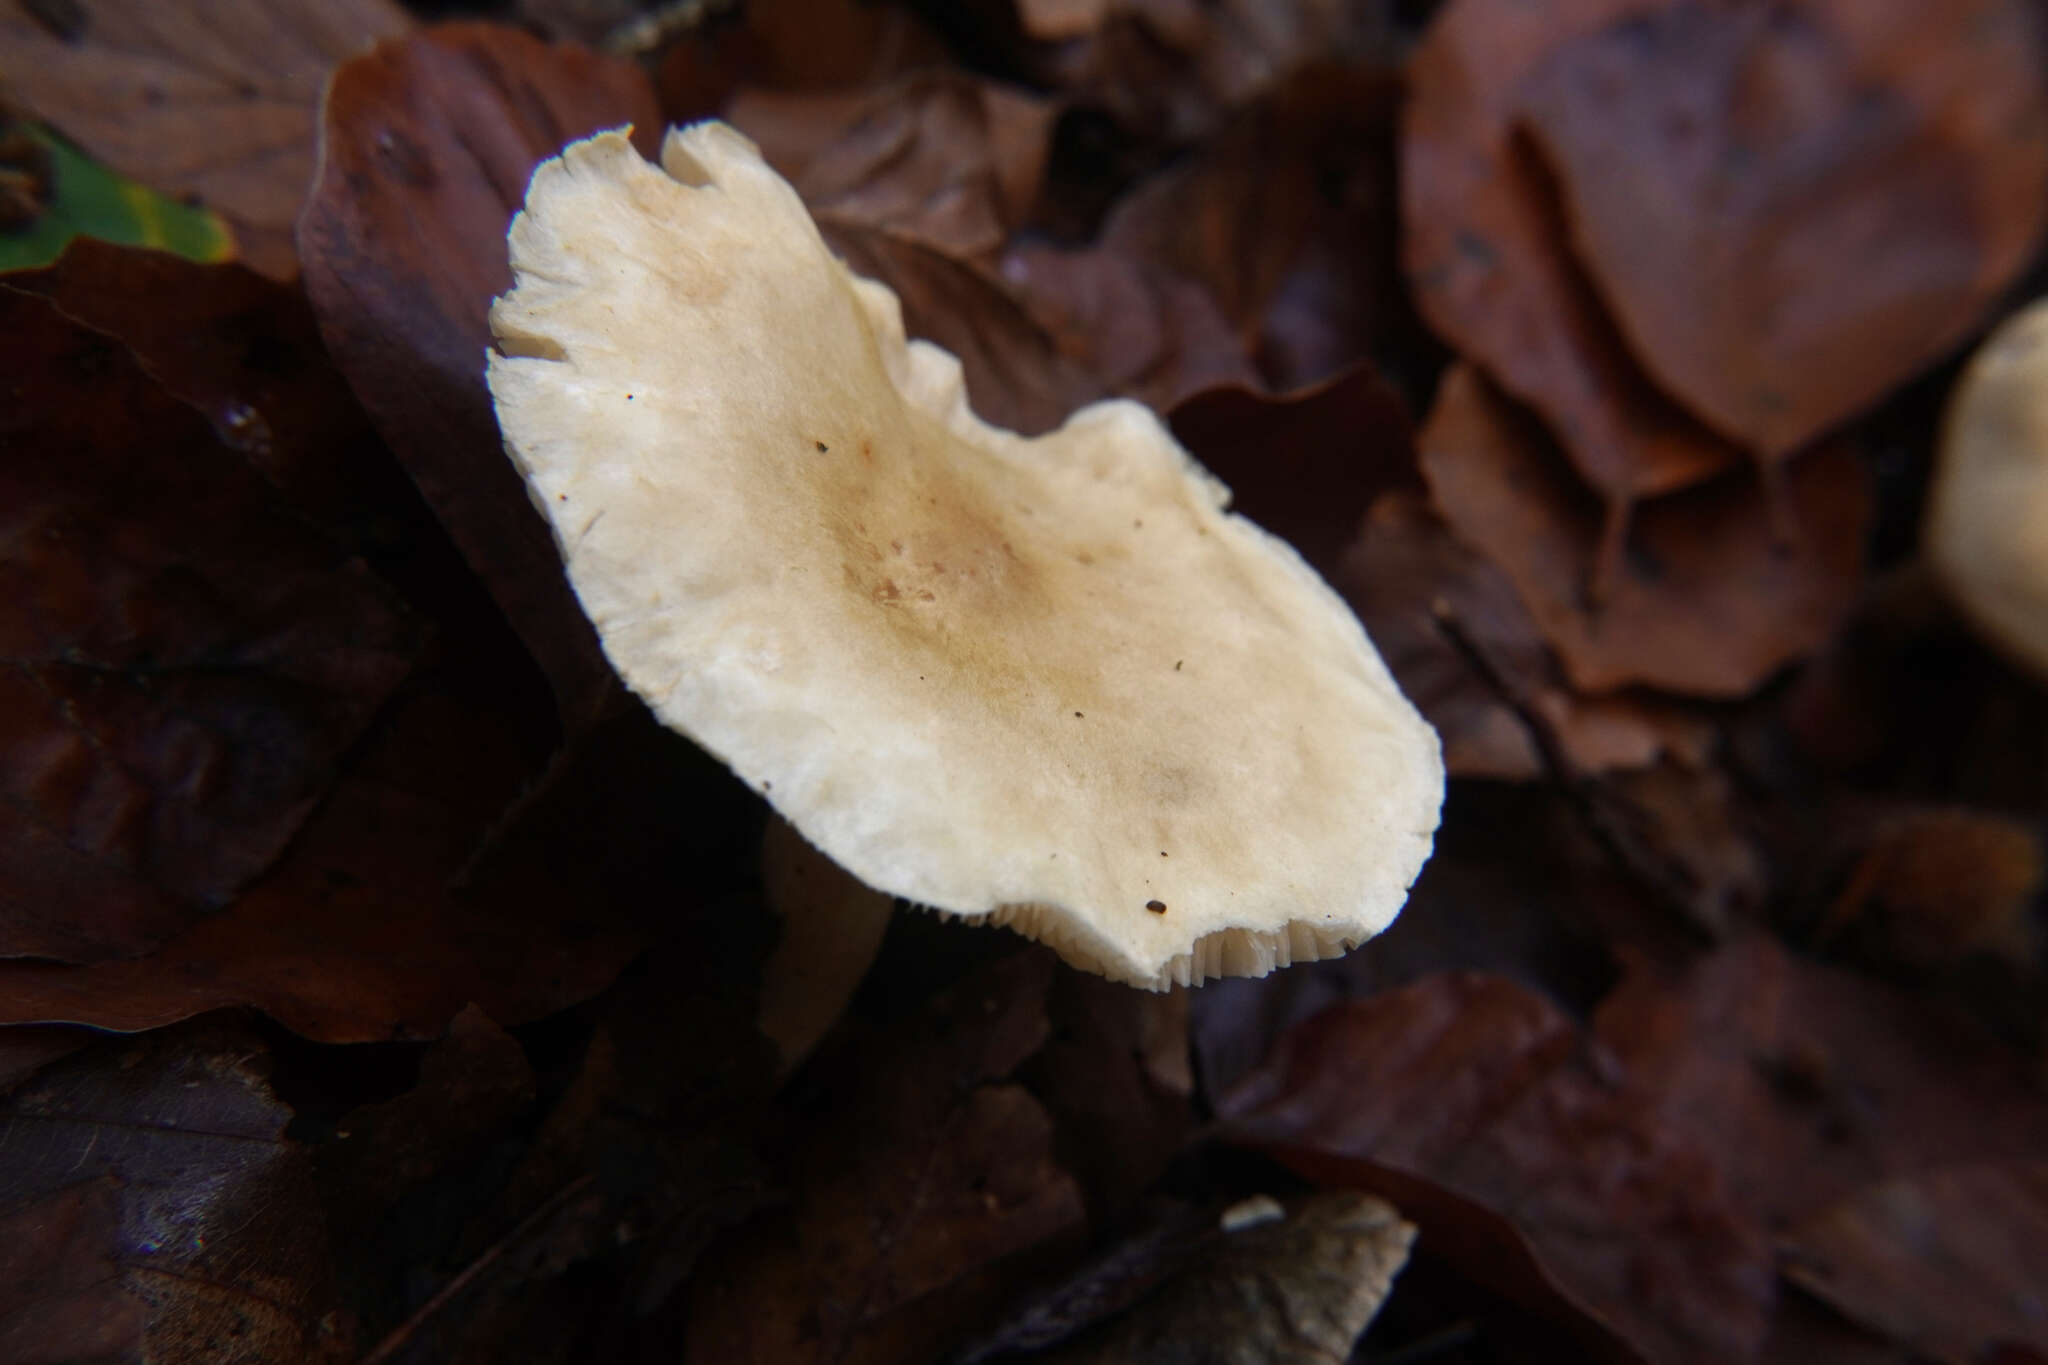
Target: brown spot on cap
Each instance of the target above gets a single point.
(1156, 907)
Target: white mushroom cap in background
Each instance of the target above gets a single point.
(1049, 682)
(1987, 513)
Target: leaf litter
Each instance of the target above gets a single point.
(1712, 1033)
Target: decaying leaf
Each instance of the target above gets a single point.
(1790, 209)
(1709, 598)
(155, 1212)
(188, 659)
(202, 99)
(1466, 1092)
(923, 1182)
(426, 146)
(1290, 1287)
(1950, 1262)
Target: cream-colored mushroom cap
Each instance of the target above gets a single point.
(1049, 682)
(1987, 514)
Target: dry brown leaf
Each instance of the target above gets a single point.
(1288, 218)
(1486, 255)
(1808, 1082)
(1477, 1103)
(940, 157)
(1142, 330)
(1709, 599)
(1017, 376)
(1791, 209)
(1950, 1262)
(202, 98)
(426, 149)
(1175, 69)
(1403, 571)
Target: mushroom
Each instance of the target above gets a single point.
(1987, 513)
(1050, 683)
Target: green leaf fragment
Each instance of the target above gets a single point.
(85, 199)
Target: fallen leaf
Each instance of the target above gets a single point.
(1295, 1289)
(939, 156)
(245, 352)
(427, 144)
(55, 195)
(1115, 1078)
(208, 101)
(922, 1183)
(1403, 571)
(1790, 211)
(25, 1050)
(363, 932)
(1708, 599)
(1142, 331)
(1175, 70)
(793, 45)
(1017, 376)
(1809, 1082)
(188, 659)
(1485, 252)
(1466, 1091)
(1951, 1262)
(1931, 887)
(1288, 218)
(1307, 464)
(156, 1212)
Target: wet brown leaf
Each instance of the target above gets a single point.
(1950, 1262)
(1485, 252)
(1791, 210)
(940, 157)
(188, 658)
(1468, 1092)
(155, 1212)
(367, 930)
(1708, 598)
(1808, 1082)
(427, 145)
(1403, 570)
(923, 1181)
(216, 101)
